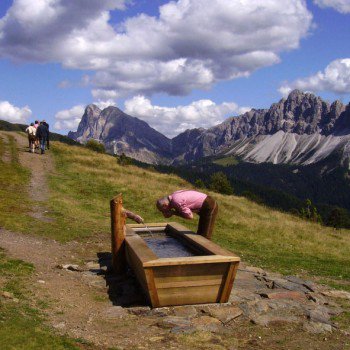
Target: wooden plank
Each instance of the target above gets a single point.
(118, 234)
(151, 224)
(149, 229)
(207, 259)
(178, 227)
(226, 290)
(185, 272)
(153, 292)
(190, 295)
(188, 277)
(189, 283)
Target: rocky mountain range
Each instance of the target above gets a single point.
(300, 129)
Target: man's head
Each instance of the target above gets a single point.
(37, 122)
(163, 204)
(31, 124)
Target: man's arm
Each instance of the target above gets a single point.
(182, 211)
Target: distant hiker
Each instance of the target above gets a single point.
(186, 202)
(48, 134)
(31, 131)
(41, 134)
(36, 125)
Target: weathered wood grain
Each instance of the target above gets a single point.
(118, 234)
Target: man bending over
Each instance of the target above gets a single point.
(184, 203)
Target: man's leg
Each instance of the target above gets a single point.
(42, 145)
(207, 216)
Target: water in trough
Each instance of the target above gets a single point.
(167, 247)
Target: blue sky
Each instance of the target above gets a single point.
(176, 65)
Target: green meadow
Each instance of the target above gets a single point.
(84, 181)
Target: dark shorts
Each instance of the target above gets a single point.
(31, 138)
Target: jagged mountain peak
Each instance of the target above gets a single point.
(121, 133)
(300, 128)
(92, 107)
(273, 134)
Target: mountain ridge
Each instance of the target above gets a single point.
(299, 129)
(121, 133)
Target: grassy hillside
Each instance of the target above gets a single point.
(85, 181)
(282, 186)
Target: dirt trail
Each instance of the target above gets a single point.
(89, 302)
(40, 166)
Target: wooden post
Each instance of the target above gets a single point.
(118, 234)
(230, 277)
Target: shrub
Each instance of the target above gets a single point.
(338, 218)
(124, 160)
(310, 212)
(199, 183)
(220, 183)
(95, 146)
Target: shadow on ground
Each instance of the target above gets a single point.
(123, 289)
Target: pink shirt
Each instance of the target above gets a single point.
(185, 202)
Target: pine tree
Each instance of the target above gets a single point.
(220, 183)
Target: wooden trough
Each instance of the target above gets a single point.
(202, 272)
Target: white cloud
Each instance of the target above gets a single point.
(104, 95)
(191, 44)
(173, 120)
(342, 6)
(14, 114)
(102, 104)
(335, 78)
(69, 119)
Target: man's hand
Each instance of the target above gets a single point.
(168, 213)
